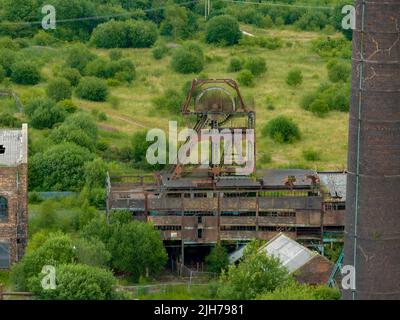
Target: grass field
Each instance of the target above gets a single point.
(131, 109)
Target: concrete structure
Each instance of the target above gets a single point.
(13, 194)
(372, 243)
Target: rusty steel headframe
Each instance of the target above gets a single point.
(372, 241)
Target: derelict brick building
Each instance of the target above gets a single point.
(13, 194)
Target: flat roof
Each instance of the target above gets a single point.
(14, 142)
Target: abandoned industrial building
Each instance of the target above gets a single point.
(13, 194)
(193, 206)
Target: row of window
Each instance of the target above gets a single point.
(248, 228)
(225, 213)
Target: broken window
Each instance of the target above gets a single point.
(3, 209)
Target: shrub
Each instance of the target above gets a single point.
(7, 59)
(59, 168)
(246, 78)
(44, 113)
(79, 128)
(294, 78)
(319, 107)
(95, 173)
(282, 130)
(72, 75)
(92, 252)
(256, 65)
(188, 59)
(223, 29)
(311, 155)
(92, 88)
(78, 56)
(159, 52)
(8, 120)
(235, 64)
(77, 282)
(125, 34)
(338, 71)
(25, 73)
(104, 68)
(59, 89)
(43, 38)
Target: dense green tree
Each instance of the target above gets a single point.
(223, 29)
(338, 71)
(7, 59)
(59, 168)
(92, 252)
(217, 260)
(135, 247)
(257, 273)
(95, 173)
(57, 249)
(72, 75)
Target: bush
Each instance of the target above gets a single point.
(235, 64)
(78, 56)
(294, 78)
(8, 120)
(43, 38)
(80, 129)
(44, 113)
(72, 75)
(77, 282)
(188, 59)
(246, 78)
(159, 52)
(104, 68)
(311, 155)
(338, 71)
(282, 130)
(59, 168)
(223, 29)
(92, 88)
(256, 65)
(59, 89)
(92, 252)
(25, 73)
(7, 59)
(319, 107)
(125, 34)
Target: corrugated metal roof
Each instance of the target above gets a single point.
(335, 182)
(276, 177)
(291, 254)
(11, 140)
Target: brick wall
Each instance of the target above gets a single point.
(13, 187)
